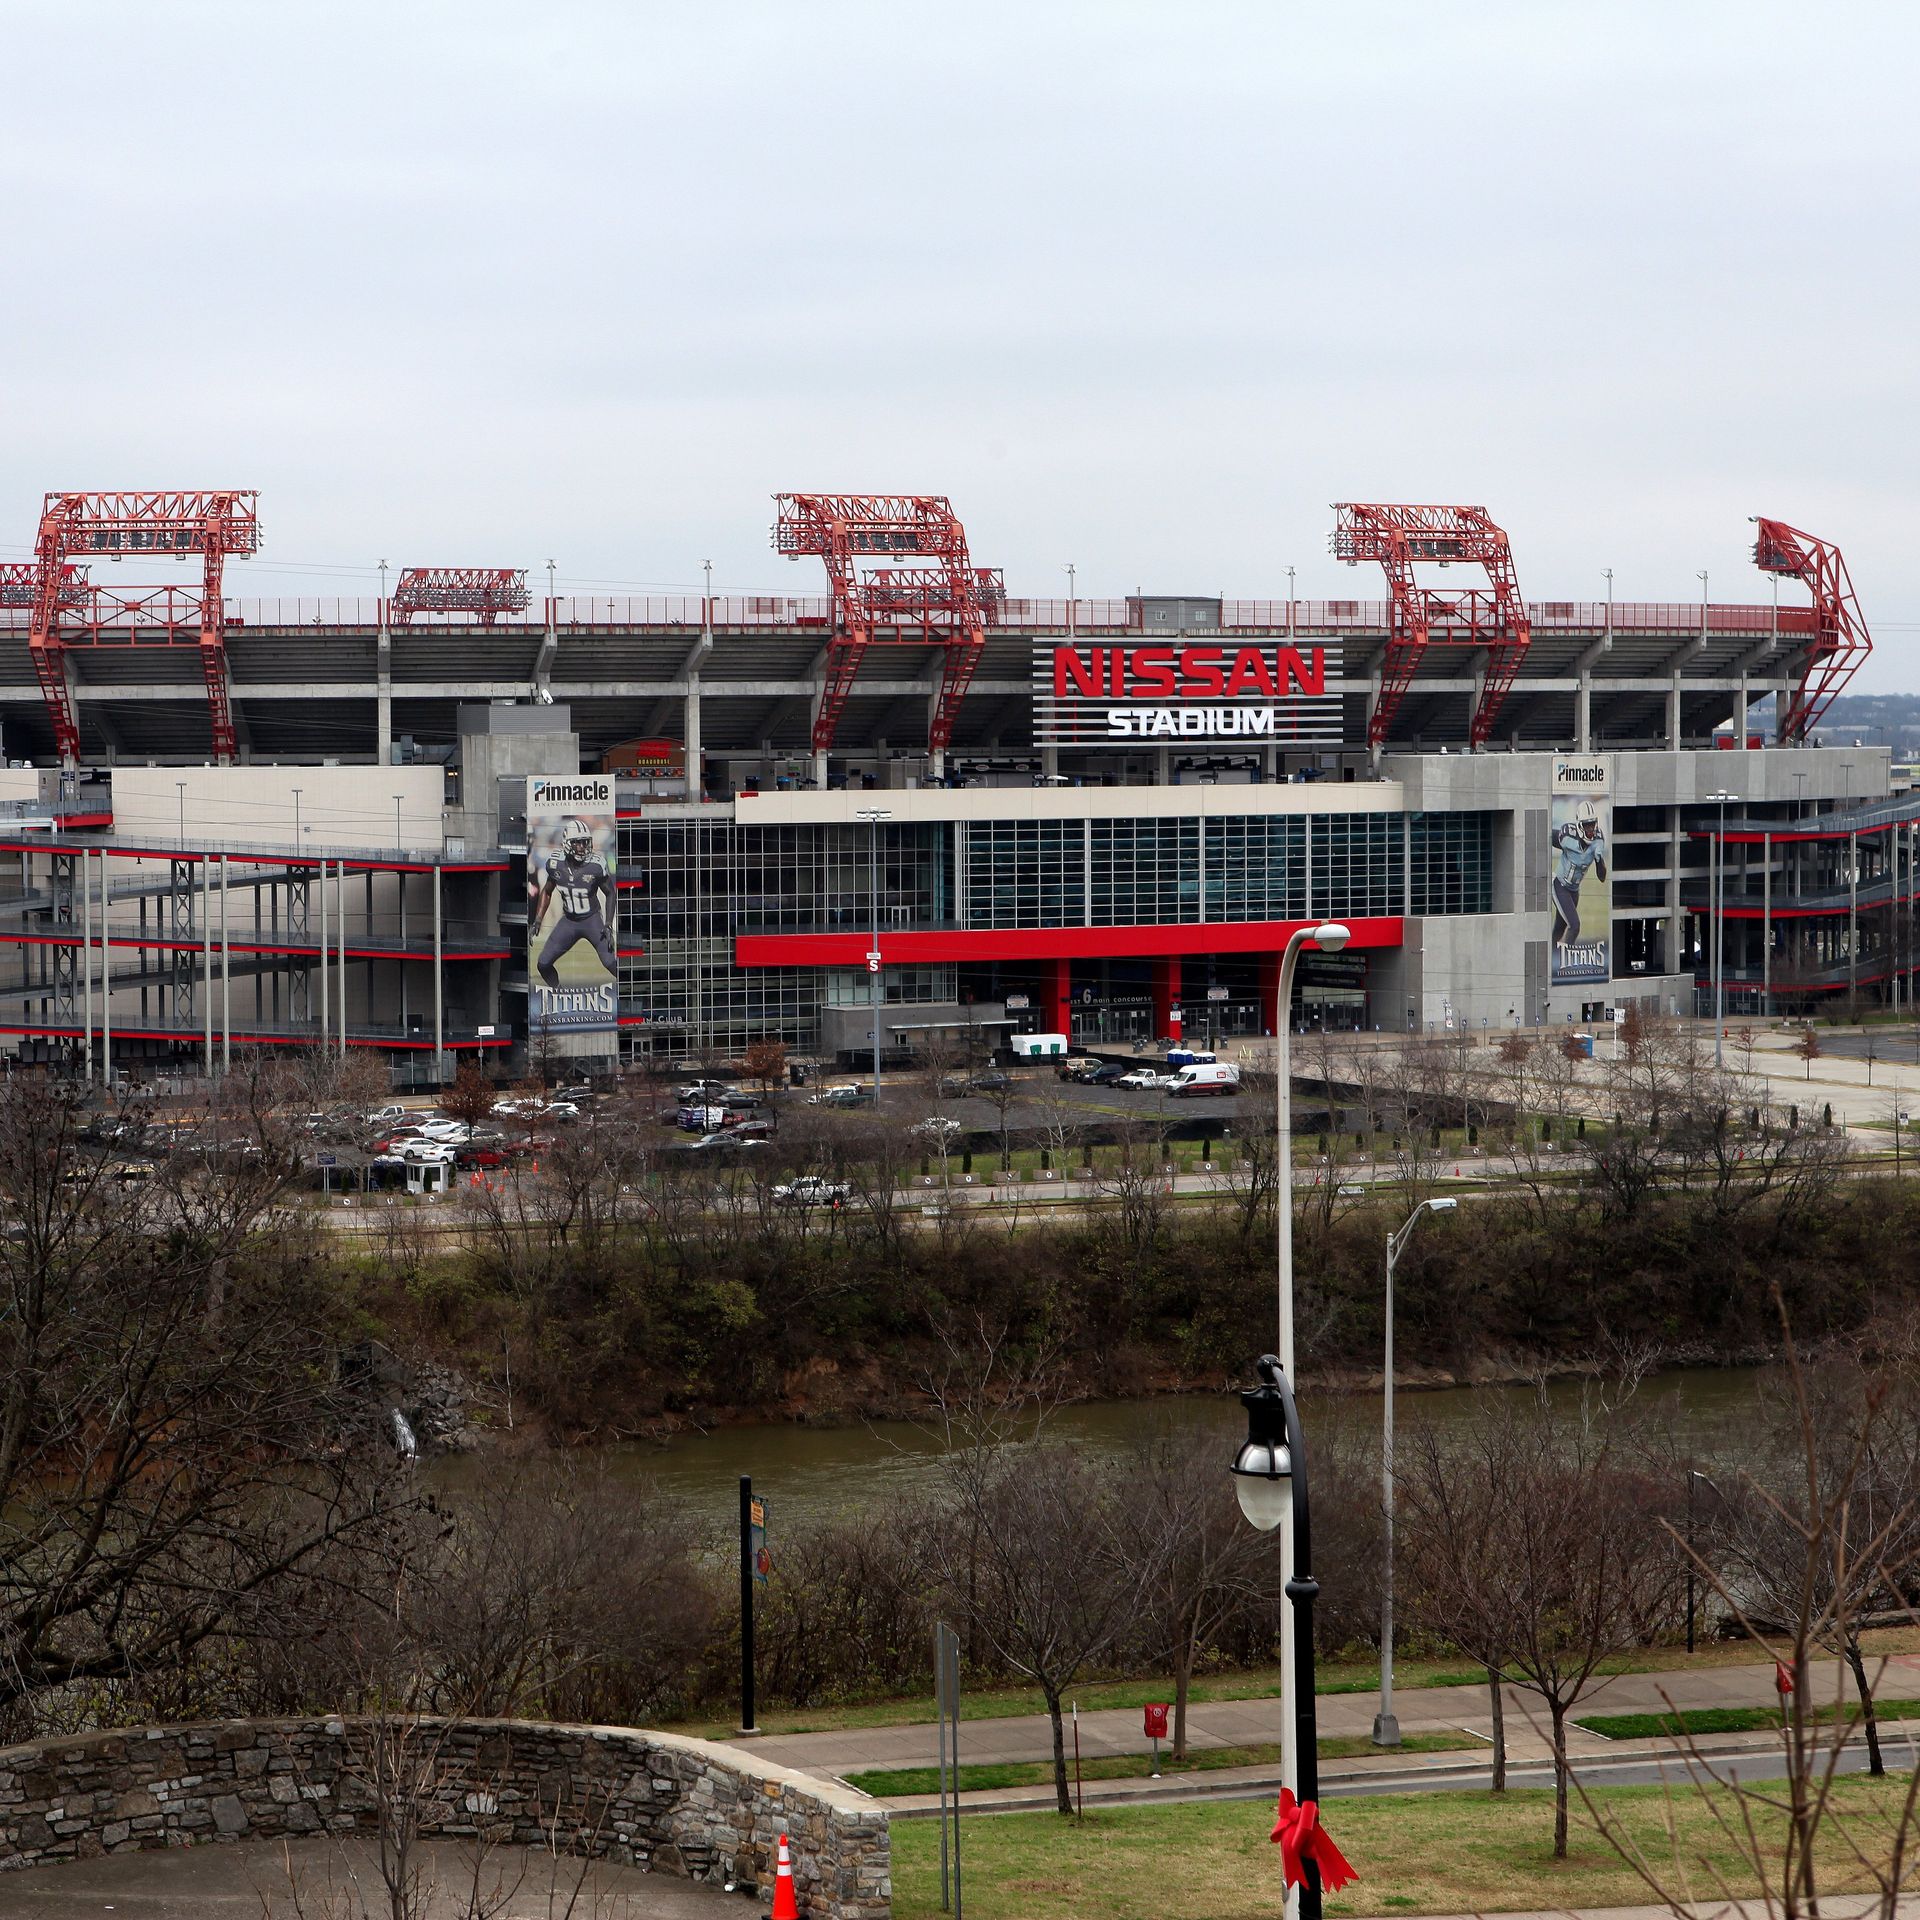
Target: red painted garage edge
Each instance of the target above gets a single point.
(1042, 943)
(194, 1037)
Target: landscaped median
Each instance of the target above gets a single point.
(886, 1783)
(1696, 1721)
(1416, 1854)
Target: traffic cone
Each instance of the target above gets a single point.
(784, 1905)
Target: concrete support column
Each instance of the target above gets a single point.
(1163, 766)
(690, 735)
(1166, 996)
(1050, 762)
(1766, 926)
(321, 942)
(1673, 712)
(1740, 716)
(106, 985)
(383, 695)
(439, 988)
(1583, 715)
(226, 976)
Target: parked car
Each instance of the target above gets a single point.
(709, 1090)
(1142, 1080)
(1108, 1075)
(812, 1190)
(1077, 1066)
(938, 1128)
(452, 1131)
(469, 1157)
(991, 1081)
(744, 1126)
(387, 1116)
(842, 1096)
(731, 1141)
(701, 1119)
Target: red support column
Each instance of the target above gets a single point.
(1058, 989)
(1166, 997)
(1270, 992)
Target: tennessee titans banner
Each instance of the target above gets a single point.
(1580, 861)
(573, 972)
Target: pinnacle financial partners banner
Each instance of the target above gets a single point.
(574, 973)
(1579, 870)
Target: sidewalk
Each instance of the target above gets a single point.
(1233, 1723)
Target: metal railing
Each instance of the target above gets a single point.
(773, 613)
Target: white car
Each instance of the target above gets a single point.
(938, 1128)
(424, 1153)
(452, 1132)
(389, 1116)
(811, 1190)
(1142, 1079)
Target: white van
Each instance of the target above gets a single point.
(1207, 1077)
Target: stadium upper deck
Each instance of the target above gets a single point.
(742, 675)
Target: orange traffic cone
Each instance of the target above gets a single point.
(784, 1905)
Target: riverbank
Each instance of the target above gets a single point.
(756, 1316)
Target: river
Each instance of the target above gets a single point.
(811, 1474)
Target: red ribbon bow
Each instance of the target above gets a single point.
(1303, 1838)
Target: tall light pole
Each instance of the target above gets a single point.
(1289, 603)
(1386, 1727)
(1701, 576)
(873, 816)
(1073, 577)
(1329, 937)
(1270, 1481)
(1716, 895)
(1608, 571)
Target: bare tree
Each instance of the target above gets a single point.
(173, 1450)
(1847, 1539)
(1197, 1560)
(1533, 1547)
(1031, 1568)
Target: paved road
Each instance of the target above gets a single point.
(251, 1880)
(1229, 1723)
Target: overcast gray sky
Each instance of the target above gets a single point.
(1141, 287)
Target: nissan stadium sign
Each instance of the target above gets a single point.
(1149, 695)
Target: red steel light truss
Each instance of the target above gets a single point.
(1840, 638)
(211, 524)
(16, 585)
(944, 600)
(1401, 538)
(484, 592)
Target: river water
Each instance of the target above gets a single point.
(811, 1474)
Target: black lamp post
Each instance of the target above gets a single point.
(1270, 1480)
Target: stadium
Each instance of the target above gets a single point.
(241, 822)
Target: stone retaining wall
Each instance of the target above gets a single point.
(687, 1807)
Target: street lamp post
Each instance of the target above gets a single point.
(873, 816)
(1693, 1474)
(1386, 1727)
(1073, 578)
(1270, 1480)
(1716, 895)
(1329, 937)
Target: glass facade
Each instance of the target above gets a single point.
(700, 884)
(1026, 873)
(1452, 863)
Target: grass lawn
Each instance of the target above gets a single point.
(1649, 1726)
(983, 1778)
(1416, 1853)
(1252, 1683)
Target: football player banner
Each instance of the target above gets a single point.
(574, 973)
(1580, 862)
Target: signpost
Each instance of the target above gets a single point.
(946, 1689)
(753, 1546)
